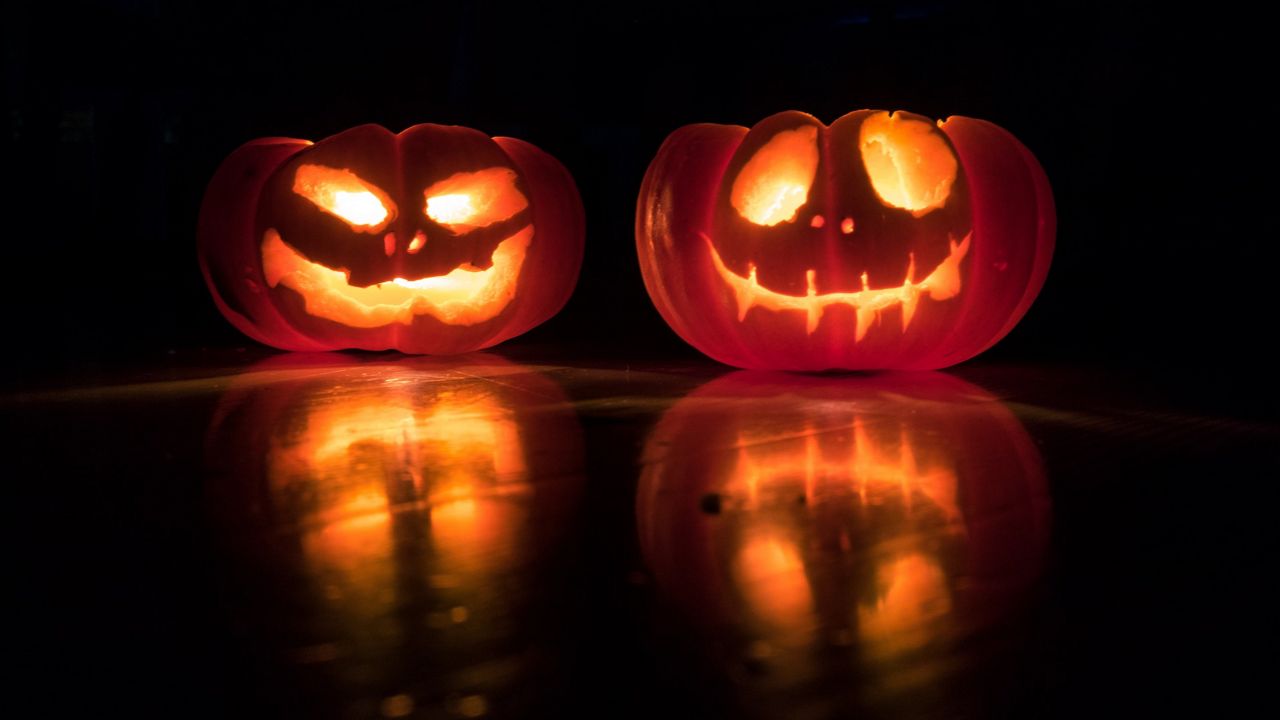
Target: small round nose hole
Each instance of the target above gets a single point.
(389, 243)
(846, 226)
(419, 239)
(817, 221)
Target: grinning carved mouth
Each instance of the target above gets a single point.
(941, 284)
(460, 297)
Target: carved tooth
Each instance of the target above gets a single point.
(909, 302)
(944, 283)
(813, 310)
(814, 317)
(866, 281)
(747, 293)
(865, 316)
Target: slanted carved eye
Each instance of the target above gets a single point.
(775, 182)
(342, 194)
(910, 165)
(468, 200)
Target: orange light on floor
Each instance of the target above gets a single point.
(810, 523)
(771, 576)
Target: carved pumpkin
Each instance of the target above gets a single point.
(437, 240)
(402, 513)
(812, 524)
(882, 241)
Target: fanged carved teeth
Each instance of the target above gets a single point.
(941, 284)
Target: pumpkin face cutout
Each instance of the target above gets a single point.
(882, 241)
(436, 240)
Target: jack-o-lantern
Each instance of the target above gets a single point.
(882, 241)
(438, 240)
(823, 529)
(399, 518)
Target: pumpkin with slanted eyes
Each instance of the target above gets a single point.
(437, 240)
(881, 241)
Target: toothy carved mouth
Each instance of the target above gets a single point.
(460, 297)
(941, 284)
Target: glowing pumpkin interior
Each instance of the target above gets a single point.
(909, 166)
(776, 180)
(457, 206)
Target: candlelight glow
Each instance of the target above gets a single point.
(464, 296)
(941, 284)
(909, 163)
(342, 194)
(468, 200)
(775, 182)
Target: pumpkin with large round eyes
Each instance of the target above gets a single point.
(435, 240)
(881, 241)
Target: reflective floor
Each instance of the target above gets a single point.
(357, 536)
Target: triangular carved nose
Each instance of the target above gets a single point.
(419, 239)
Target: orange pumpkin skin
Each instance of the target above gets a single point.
(376, 241)
(882, 241)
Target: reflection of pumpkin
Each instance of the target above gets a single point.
(882, 241)
(891, 514)
(400, 510)
(436, 240)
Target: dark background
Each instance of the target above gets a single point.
(1147, 119)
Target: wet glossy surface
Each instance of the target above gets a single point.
(377, 536)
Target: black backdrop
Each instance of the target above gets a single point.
(1147, 119)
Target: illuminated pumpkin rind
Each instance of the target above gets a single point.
(913, 245)
(330, 246)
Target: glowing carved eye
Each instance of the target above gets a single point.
(469, 200)
(345, 196)
(911, 167)
(775, 182)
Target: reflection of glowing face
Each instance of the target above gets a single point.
(847, 477)
(871, 465)
(398, 520)
(362, 459)
(827, 528)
